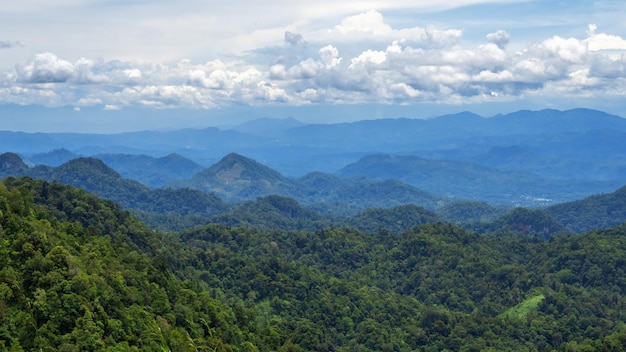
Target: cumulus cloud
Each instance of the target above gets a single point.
(500, 38)
(359, 59)
(46, 68)
(370, 22)
(602, 41)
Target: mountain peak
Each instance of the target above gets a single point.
(11, 162)
(235, 166)
(237, 174)
(92, 165)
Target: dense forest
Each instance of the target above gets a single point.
(79, 273)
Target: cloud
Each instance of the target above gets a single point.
(370, 22)
(7, 44)
(500, 38)
(293, 38)
(358, 59)
(46, 68)
(602, 41)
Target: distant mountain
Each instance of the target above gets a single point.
(578, 143)
(523, 158)
(52, 158)
(267, 126)
(94, 176)
(235, 178)
(551, 121)
(12, 165)
(591, 213)
(469, 181)
(151, 171)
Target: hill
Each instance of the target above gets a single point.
(594, 212)
(150, 171)
(272, 213)
(578, 143)
(94, 176)
(11, 164)
(235, 178)
(469, 181)
(55, 157)
(468, 212)
(534, 223)
(395, 220)
(78, 273)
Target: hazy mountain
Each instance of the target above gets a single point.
(579, 143)
(267, 127)
(151, 171)
(95, 176)
(236, 178)
(524, 157)
(469, 181)
(12, 165)
(53, 158)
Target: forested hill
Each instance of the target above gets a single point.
(594, 212)
(78, 273)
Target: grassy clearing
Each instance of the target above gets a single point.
(520, 311)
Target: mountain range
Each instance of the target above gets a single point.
(238, 191)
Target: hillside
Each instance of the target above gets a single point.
(573, 144)
(77, 273)
(152, 171)
(94, 176)
(462, 180)
(594, 212)
(235, 178)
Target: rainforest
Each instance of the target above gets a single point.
(78, 273)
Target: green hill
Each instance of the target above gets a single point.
(164, 208)
(236, 178)
(79, 274)
(395, 220)
(594, 212)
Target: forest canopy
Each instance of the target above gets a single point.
(78, 273)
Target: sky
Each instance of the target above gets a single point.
(112, 65)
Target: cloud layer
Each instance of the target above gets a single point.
(358, 59)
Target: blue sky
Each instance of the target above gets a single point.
(194, 63)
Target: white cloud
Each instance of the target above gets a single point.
(603, 41)
(500, 38)
(571, 49)
(362, 58)
(370, 22)
(109, 107)
(45, 68)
